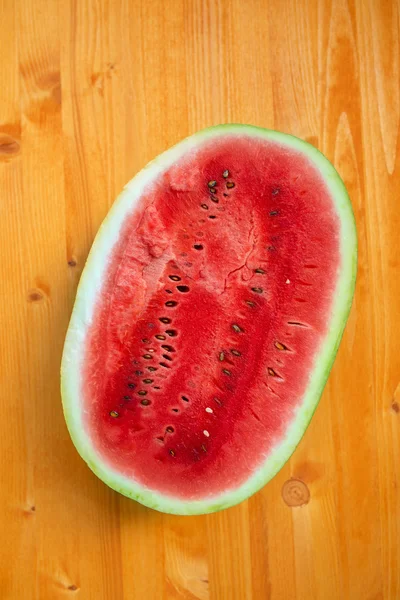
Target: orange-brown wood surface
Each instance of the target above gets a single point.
(90, 91)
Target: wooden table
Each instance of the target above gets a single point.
(90, 90)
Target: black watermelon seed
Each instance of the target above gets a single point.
(171, 332)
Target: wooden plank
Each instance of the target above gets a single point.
(17, 499)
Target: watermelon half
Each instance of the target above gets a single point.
(208, 317)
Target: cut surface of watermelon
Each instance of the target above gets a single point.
(208, 317)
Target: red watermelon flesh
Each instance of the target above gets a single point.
(213, 310)
(208, 317)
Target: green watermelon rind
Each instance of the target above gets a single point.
(90, 287)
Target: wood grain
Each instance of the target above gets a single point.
(90, 90)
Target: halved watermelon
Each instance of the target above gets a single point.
(207, 318)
